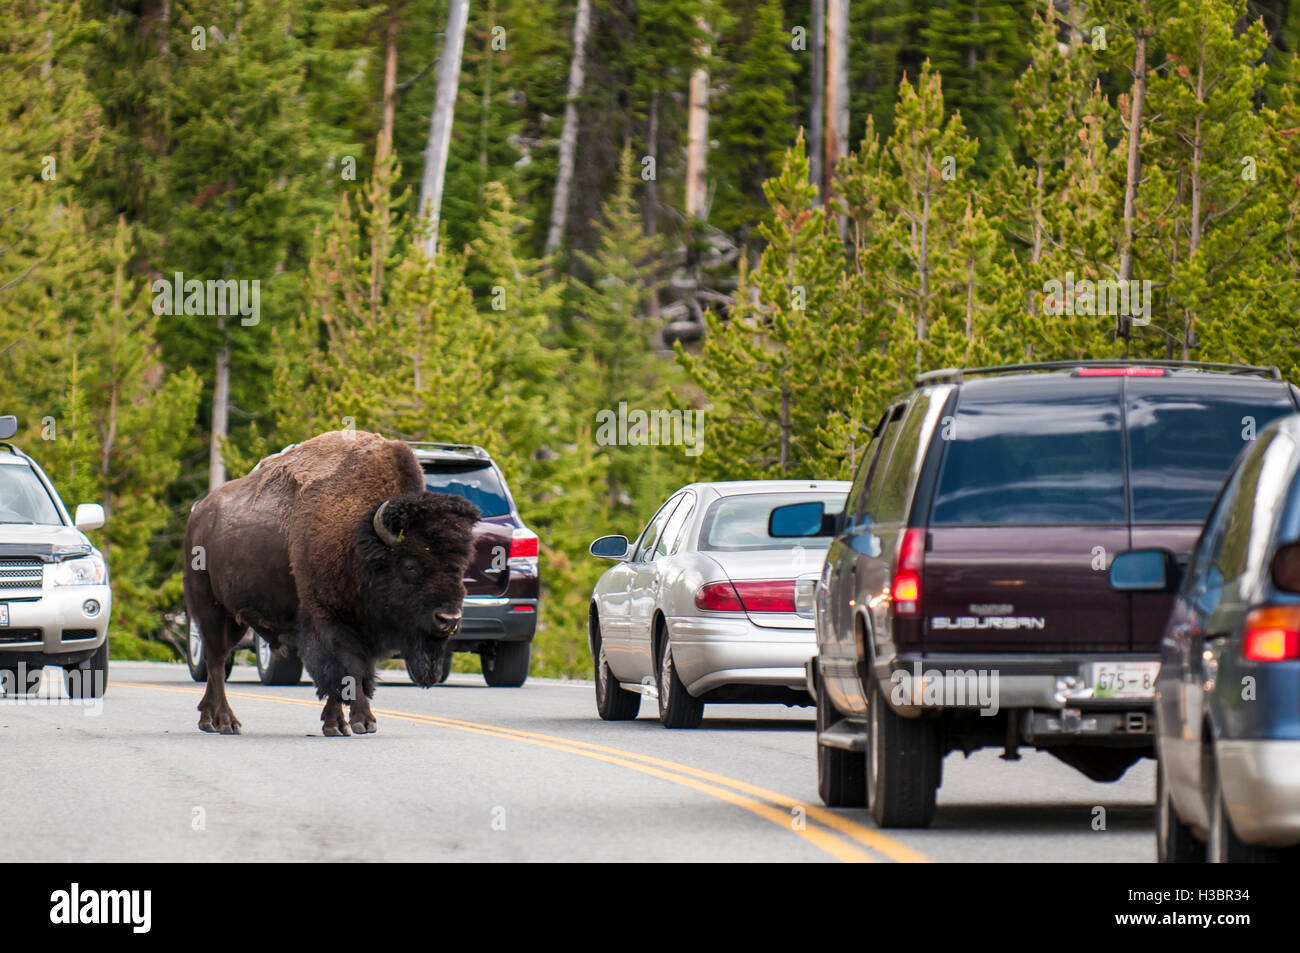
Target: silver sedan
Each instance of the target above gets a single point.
(705, 606)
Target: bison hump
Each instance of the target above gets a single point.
(344, 465)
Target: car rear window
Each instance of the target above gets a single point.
(479, 484)
(1015, 457)
(739, 523)
(1183, 440)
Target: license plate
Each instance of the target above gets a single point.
(4, 613)
(1124, 679)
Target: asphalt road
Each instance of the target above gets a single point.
(466, 772)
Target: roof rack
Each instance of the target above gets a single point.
(957, 374)
(452, 447)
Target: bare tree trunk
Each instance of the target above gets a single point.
(652, 194)
(837, 93)
(816, 118)
(389, 106)
(379, 239)
(923, 268)
(1137, 100)
(697, 135)
(569, 135)
(444, 109)
(220, 410)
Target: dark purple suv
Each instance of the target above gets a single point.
(964, 602)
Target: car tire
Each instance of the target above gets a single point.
(273, 669)
(1175, 842)
(91, 678)
(841, 775)
(613, 702)
(904, 765)
(194, 660)
(677, 707)
(1223, 846)
(508, 668)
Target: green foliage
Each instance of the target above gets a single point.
(991, 167)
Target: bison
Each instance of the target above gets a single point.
(334, 548)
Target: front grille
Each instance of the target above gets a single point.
(20, 573)
(21, 635)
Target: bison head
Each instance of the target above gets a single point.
(417, 548)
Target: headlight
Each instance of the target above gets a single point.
(82, 571)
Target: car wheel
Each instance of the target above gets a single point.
(903, 765)
(1224, 847)
(90, 678)
(677, 708)
(841, 775)
(509, 667)
(1175, 842)
(273, 669)
(613, 702)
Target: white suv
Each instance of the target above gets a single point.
(55, 600)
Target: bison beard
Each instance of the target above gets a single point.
(333, 547)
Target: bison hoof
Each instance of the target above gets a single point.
(205, 723)
(334, 730)
(366, 727)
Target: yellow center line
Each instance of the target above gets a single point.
(707, 782)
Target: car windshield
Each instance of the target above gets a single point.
(478, 483)
(739, 523)
(23, 498)
(1182, 443)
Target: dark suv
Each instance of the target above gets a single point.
(964, 602)
(500, 613)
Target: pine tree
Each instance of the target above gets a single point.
(611, 341)
(754, 114)
(1211, 218)
(979, 48)
(782, 400)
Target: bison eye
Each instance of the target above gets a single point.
(410, 569)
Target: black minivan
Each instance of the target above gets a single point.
(964, 601)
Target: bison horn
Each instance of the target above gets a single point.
(382, 531)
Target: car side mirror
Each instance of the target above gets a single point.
(8, 426)
(1286, 567)
(89, 516)
(799, 520)
(610, 547)
(1144, 570)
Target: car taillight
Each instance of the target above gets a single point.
(761, 595)
(523, 549)
(1119, 372)
(906, 587)
(1272, 634)
(718, 597)
(767, 595)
